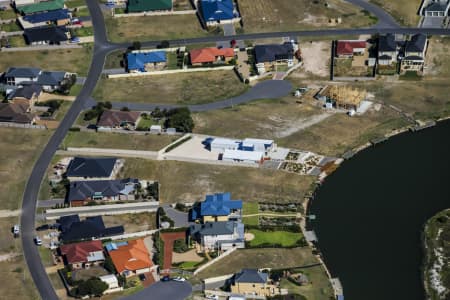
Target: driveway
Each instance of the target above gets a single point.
(181, 219)
(269, 89)
(170, 290)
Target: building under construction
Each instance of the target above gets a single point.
(342, 96)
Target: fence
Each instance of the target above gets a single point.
(225, 254)
(115, 152)
(156, 73)
(132, 235)
(42, 47)
(156, 13)
(18, 125)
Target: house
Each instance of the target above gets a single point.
(217, 207)
(72, 229)
(146, 61)
(268, 57)
(342, 97)
(53, 35)
(217, 11)
(16, 113)
(135, 6)
(90, 168)
(261, 145)
(83, 254)
(119, 119)
(111, 281)
(18, 75)
(387, 50)
(30, 93)
(18, 3)
(414, 57)
(41, 6)
(211, 55)
(349, 48)
(435, 8)
(59, 17)
(253, 282)
(217, 236)
(101, 191)
(221, 144)
(51, 80)
(131, 258)
(241, 156)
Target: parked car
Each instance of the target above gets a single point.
(38, 241)
(16, 230)
(212, 297)
(165, 278)
(179, 279)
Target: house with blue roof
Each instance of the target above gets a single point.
(59, 17)
(146, 61)
(217, 208)
(215, 12)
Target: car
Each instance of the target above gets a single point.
(179, 279)
(165, 278)
(142, 277)
(212, 297)
(16, 230)
(38, 241)
(77, 22)
(43, 227)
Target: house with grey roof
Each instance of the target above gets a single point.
(434, 8)
(220, 236)
(18, 75)
(268, 57)
(102, 191)
(51, 80)
(253, 282)
(414, 54)
(29, 92)
(93, 168)
(53, 35)
(388, 48)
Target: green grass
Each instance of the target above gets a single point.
(75, 3)
(410, 75)
(7, 14)
(284, 238)
(188, 265)
(319, 287)
(250, 208)
(16, 41)
(70, 60)
(182, 88)
(149, 142)
(84, 31)
(46, 256)
(145, 123)
(172, 61)
(10, 27)
(75, 90)
(114, 59)
(63, 109)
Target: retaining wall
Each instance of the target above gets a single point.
(156, 13)
(156, 73)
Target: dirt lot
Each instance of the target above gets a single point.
(437, 62)
(194, 149)
(151, 142)
(316, 59)
(177, 180)
(282, 15)
(404, 11)
(185, 88)
(70, 60)
(17, 281)
(132, 222)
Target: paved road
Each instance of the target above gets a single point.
(384, 19)
(170, 290)
(270, 89)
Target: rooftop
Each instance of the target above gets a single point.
(219, 204)
(83, 251)
(216, 10)
(72, 229)
(115, 118)
(58, 14)
(149, 5)
(91, 167)
(251, 276)
(41, 6)
(137, 61)
(209, 55)
(15, 112)
(51, 77)
(81, 190)
(54, 34)
(347, 47)
(242, 155)
(24, 72)
(417, 43)
(215, 228)
(273, 52)
(131, 256)
(26, 91)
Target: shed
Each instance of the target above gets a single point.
(253, 157)
(156, 129)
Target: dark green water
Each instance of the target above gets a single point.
(371, 211)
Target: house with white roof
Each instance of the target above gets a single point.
(249, 157)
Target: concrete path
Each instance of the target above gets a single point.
(49, 203)
(181, 219)
(270, 89)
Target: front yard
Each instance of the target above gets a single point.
(183, 88)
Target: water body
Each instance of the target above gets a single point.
(371, 212)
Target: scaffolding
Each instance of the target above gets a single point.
(345, 97)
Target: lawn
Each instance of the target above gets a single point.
(82, 12)
(15, 42)
(114, 60)
(277, 258)
(284, 238)
(46, 256)
(148, 142)
(63, 109)
(183, 88)
(75, 90)
(75, 3)
(10, 27)
(404, 11)
(70, 60)
(177, 180)
(84, 31)
(149, 28)
(7, 14)
(250, 208)
(18, 150)
(282, 15)
(17, 281)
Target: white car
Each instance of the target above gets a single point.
(16, 229)
(179, 279)
(38, 241)
(212, 297)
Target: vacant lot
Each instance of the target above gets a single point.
(149, 142)
(284, 238)
(283, 15)
(404, 11)
(259, 119)
(114, 60)
(17, 281)
(193, 88)
(188, 182)
(18, 150)
(7, 241)
(70, 60)
(437, 62)
(277, 258)
(151, 28)
(132, 222)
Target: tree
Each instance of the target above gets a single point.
(125, 108)
(92, 286)
(137, 45)
(109, 265)
(180, 118)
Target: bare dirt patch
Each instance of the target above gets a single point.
(190, 255)
(316, 59)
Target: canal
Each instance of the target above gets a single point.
(371, 211)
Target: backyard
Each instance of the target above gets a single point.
(283, 238)
(282, 15)
(150, 142)
(70, 60)
(184, 88)
(250, 208)
(248, 184)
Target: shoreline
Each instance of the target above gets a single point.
(306, 223)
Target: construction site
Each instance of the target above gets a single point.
(341, 97)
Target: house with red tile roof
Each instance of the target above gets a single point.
(348, 48)
(84, 254)
(119, 119)
(131, 258)
(211, 55)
